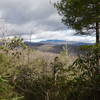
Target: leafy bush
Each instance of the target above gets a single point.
(86, 82)
(7, 91)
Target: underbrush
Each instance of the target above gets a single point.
(26, 74)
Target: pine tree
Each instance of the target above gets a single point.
(81, 15)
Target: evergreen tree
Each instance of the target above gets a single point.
(81, 15)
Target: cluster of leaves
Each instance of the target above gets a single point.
(7, 91)
(87, 75)
(79, 13)
(8, 70)
(16, 43)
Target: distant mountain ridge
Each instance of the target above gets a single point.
(56, 46)
(65, 42)
(53, 41)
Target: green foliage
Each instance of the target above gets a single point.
(4, 63)
(7, 70)
(90, 47)
(87, 76)
(79, 13)
(6, 91)
(16, 43)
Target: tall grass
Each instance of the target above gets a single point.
(34, 75)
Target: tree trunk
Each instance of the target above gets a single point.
(97, 33)
(97, 42)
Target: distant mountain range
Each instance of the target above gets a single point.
(56, 46)
(65, 42)
(53, 41)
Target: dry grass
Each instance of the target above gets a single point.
(37, 60)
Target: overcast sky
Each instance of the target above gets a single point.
(38, 17)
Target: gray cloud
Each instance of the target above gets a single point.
(36, 16)
(40, 13)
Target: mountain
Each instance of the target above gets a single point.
(53, 42)
(65, 42)
(56, 46)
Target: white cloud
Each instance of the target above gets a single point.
(60, 35)
(38, 17)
